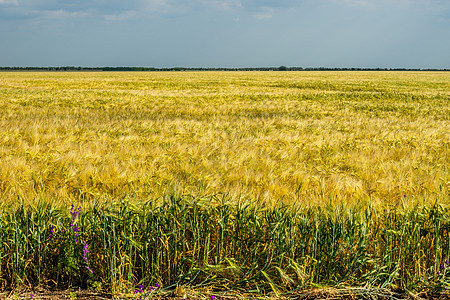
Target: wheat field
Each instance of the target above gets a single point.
(291, 137)
(207, 183)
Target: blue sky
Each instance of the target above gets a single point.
(226, 33)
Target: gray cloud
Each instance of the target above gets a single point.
(359, 33)
(15, 2)
(116, 7)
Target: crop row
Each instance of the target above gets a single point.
(216, 245)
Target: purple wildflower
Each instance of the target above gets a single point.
(142, 294)
(85, 256)
(52, 231)
(75, 228)
(31, 296)
(213, 297)
(75, 212)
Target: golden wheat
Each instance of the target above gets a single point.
(297, 137)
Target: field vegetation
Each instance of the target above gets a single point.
(246, 181)
(292, 137)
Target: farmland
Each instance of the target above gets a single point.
(299, 137)
(300, 170)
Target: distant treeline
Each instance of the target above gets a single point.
(150, 69)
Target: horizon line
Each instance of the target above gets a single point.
(271, 68)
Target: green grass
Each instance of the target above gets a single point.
(214, 246)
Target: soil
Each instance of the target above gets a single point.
(327, 294)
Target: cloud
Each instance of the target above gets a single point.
(123, 10)
(226, 5)
(418, 4)
(264, 13)
(355, 3)
(9, 2)
(119, 10)
(119, 17)
(153, 6)
(261, 8)
(63, 14)
(363, 3)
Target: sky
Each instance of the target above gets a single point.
(226, 33)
